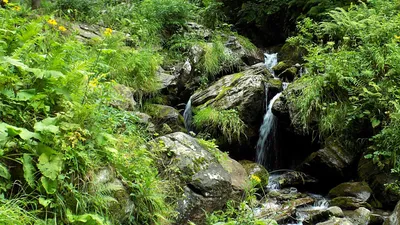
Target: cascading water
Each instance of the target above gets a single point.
(270, 60)
(188, 115)
(267, 129)
(267, 134)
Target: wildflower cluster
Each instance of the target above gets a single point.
(255, 178)
(108, 32)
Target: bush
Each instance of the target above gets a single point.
(351, 88)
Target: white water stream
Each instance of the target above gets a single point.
(188, 115)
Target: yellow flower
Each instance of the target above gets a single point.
(255, 178)
(52, 22)
(108, 31)
(62, 28)
(5, 1)
(93, 83)
(16, 8)
(397, 37)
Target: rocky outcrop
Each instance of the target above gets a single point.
(166, 118)
(244, 92)
(207, 183)
(330, 165)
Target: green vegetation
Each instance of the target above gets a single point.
(351, 91)
(227, 122)
(57, 126)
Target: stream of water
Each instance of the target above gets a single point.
(188, 115)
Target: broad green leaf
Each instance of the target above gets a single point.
(375, 122)
(44, 149)
(29, 170)
(49, 185)
(44, 202)
(87, 219)
(13, 131)
(4, 172)
(50, 165)
(25, 95)
(47, 125)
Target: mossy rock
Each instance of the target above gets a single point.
(256, 170)
(289, 74)
(359, 190)
(281, 66)
(349, 203)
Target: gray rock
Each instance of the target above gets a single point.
(237, 49)
(243, 92)
(330, 164)
(295, 179)
(312, 216)
(123, 98)
(349, 203)
(360, 216)
(336, 221)
(166, 115)
(377, 179)
(358, 190)
(213, 182)
(207, 183)
(394, 219)
(336, 211)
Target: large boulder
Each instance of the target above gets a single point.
(359, 216)
(377, 179)
(244, 92)
(207, 181)
(358, 190)
(330, 165)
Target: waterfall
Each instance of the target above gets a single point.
(188, 115)
(267, 134)
(270, 61)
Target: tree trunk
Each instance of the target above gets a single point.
(35, 4)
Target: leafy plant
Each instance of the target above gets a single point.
(213, 120)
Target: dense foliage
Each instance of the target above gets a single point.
(61, 123)
(57, 125)
(351, 89)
